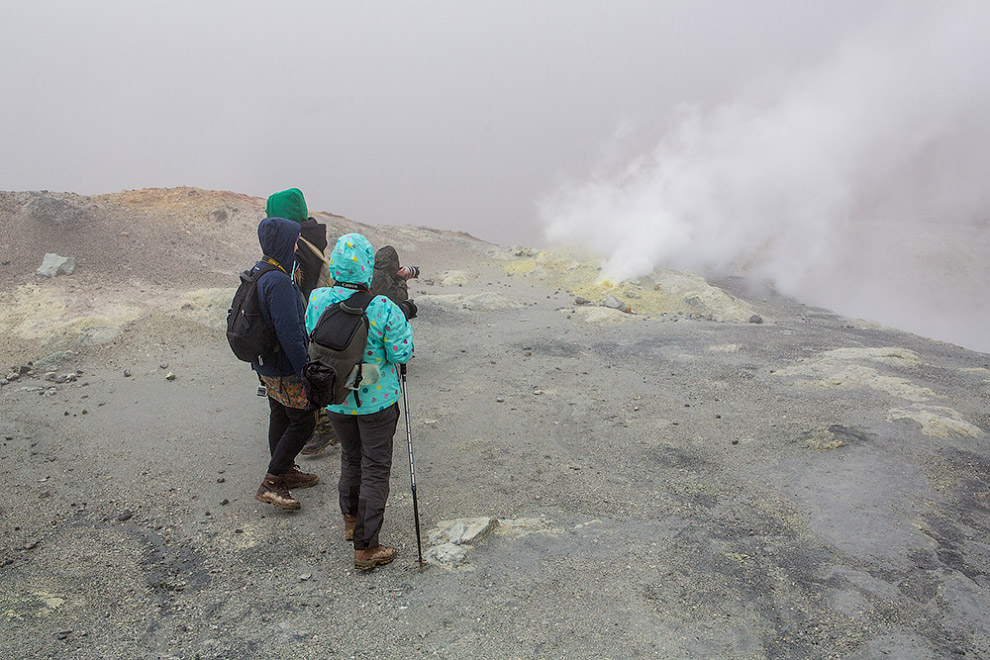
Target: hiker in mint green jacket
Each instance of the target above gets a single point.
(365, 431)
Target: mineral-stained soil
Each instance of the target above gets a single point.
(673, 482)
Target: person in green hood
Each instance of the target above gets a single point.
(291, 205)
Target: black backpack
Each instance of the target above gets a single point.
(247, 333)
(336, 351)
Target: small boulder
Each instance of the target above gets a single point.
(462, 531)
(614, 303)
(445, 554)
(54, 264)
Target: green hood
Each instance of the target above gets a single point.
(352, 259)
(289, 204)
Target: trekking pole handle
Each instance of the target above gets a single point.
(402, 368)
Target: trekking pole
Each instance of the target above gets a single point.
(412, 469)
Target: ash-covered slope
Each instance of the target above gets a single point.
(138, 254)
(671, 482)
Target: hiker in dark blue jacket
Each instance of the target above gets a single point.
(290, 424)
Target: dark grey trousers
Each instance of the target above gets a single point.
(365, 466)
(288, 430)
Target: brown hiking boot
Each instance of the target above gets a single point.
(349, 523)
(273, 491)
(371, 557)
(296, 478)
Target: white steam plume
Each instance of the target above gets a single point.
(862, 185)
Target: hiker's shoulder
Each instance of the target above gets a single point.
(271, 277)
(325, 295)
(382, 304)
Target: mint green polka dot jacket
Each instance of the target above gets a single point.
(390, 340)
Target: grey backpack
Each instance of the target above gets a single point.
(337, 342)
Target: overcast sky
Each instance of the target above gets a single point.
(447, 113)
(791, 139)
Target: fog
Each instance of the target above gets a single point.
(719, 136)
(858, 183)
(451, 114)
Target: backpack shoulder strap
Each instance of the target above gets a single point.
(264, 268)
(360, 300)
(317, 251)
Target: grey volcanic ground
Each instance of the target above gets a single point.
(675, 482)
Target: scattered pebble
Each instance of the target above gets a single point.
(125, 515)
(221, 480)
(127, 373)
(499, 399)
(756, 318)
(164, 365)
(170, 376)
(305, 576)
(224, 502)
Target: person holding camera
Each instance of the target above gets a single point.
(390, 279)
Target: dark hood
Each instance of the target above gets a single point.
(277, 237)
(387, 259)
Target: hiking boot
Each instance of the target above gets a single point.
(273, 491)
(296, 478)
(319, 442)
(349, 523)
(371, 557)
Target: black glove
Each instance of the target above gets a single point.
(408, 308)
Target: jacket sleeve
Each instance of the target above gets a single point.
(398, 339)
(285, 307)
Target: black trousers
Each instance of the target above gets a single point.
(365, 467)
(288, 431)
